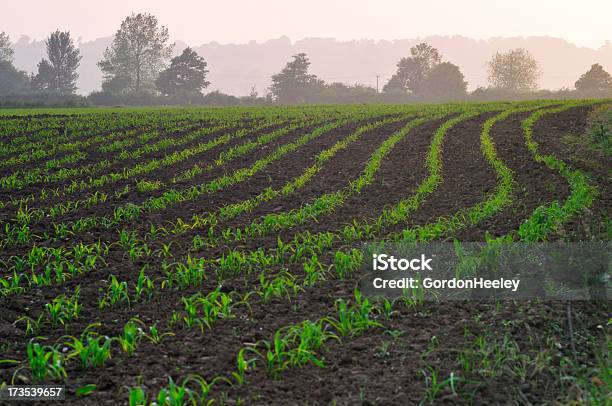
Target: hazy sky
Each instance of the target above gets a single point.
(582, 22)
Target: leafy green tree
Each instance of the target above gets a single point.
(595, 79)
(294, 84)
(444, 82)
(6, 48)
(186, 74)
(12, 81)
(515, 70)
(340, 93)
(59, 72)
(137, 55)
(411, 71)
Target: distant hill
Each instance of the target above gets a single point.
(235, 68)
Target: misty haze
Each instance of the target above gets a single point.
(235, 68)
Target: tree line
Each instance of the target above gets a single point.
(138, 69)
(423, 76)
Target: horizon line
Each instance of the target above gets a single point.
(79, 40)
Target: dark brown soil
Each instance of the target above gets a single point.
(373, 368)
(467, 176)
(119, 265)
(95, 155)
(566, 136)
(361, 371)
(535, 183)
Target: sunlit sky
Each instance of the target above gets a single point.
(582, 22)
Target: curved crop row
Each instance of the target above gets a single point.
(20, 179)
(547, 219)
(24, 217)
(321, 158)
(41, 255)
(70, 206)
(236, 261)
(238, 282)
